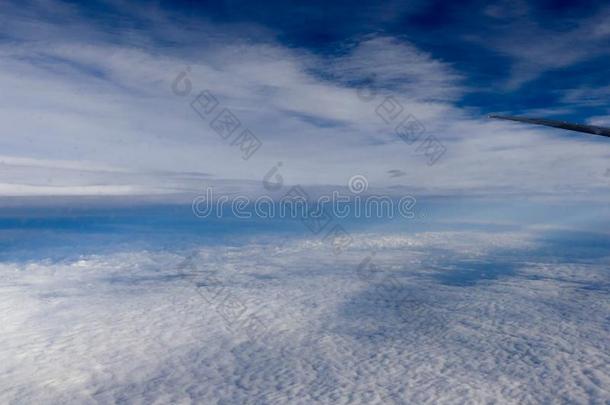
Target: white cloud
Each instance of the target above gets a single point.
(131, 326)
(76, 93)
(534, 49)
(400, 68)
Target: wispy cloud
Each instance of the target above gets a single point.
(535, 48)
(98, 91)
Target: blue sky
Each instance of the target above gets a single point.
(553, 46)
(113, 290)
(88, 106)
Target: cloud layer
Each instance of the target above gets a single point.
(434, 316)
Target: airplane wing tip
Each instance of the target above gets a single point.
(590, 129)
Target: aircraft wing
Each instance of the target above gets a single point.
(589, 129)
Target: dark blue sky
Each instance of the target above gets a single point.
(480, 39)
(515, 56)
